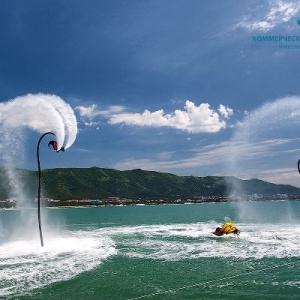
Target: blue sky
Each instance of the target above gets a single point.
(171, 86)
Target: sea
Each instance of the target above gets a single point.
(152, 252)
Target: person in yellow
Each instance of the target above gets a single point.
(227, 228)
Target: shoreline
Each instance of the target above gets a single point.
(162, 204)
(55, 204)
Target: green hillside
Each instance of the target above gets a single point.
(99, 183)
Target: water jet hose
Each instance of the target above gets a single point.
(39, 186)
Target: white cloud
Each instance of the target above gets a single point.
(193, 118)
(88, 114)
(279, 12)
(93, 111)
(281, 176)
(225, 111)
(91, 124)
(209, 155)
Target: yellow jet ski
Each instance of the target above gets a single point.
(227, 228)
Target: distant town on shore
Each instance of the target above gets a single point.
(116, 201)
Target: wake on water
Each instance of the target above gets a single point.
(25, 266)
(192, 241)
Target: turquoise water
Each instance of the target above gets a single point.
(152, 252)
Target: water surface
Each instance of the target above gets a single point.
(153, 252)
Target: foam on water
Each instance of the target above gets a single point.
(192, 241)
(25, 266)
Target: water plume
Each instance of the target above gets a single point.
(265, 145)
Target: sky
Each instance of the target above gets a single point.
(184, 86)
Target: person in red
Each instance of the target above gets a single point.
(218, 231)
(54, 146)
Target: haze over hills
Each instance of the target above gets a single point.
(100, 183)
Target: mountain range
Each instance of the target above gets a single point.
(101, 183)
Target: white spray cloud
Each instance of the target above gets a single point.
(193, 118)
(279, 12)
(42, 113)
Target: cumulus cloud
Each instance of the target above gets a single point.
(225, 111)
(193, 118)
(279, 12)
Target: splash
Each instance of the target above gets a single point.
(24, 266)
(178, 242)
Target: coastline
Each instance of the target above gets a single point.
(120, 202)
